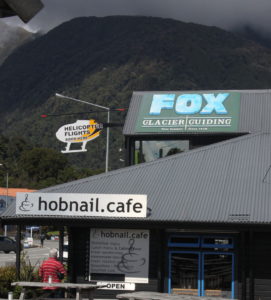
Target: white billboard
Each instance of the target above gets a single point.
(73, 204)
(120, 251)
(82, 131)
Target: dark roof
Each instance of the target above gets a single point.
(227, 182)
(24, 9)
(255, 107)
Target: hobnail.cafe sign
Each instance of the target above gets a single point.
(73, 204)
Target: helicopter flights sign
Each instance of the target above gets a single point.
(82, 131)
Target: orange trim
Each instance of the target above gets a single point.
(11, 192)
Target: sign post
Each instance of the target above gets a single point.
(108, 121)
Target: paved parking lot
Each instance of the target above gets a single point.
(36, 255)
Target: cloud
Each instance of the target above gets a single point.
(225, 14)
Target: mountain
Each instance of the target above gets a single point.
(103, 60)
(12, 37)
(254, 34)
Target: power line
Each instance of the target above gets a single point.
(80, 113)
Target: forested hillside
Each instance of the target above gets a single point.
(103, 60)
(35, 167)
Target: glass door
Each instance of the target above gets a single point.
(217, 273)
(209, 274)
(184, 273)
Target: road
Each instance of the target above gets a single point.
(36, 255)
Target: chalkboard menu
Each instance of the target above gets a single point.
(119, 254)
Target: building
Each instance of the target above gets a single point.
(194, 223)
(8, 195)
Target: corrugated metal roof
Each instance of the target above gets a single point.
(226, 182)
(255, 107)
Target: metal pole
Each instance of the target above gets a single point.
(107, 142)
(79, 100)
(61, 243)
(18, 251)
(6, 201)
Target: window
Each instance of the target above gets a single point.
(184, 241)
(146, 151)
(217, 242)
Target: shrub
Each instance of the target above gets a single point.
(28, 272)
(52, 233)
(7, 275)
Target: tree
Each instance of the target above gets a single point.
(42, 165)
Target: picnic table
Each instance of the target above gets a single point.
(90, 287)
(162, 296)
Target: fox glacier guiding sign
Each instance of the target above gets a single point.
(82, 131)
(189, 112)
(87, 205)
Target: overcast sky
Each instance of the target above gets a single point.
(222, 13)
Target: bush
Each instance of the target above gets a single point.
(7, 275)
(28, 272)
(52, 233)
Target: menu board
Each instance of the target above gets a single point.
(120, 251)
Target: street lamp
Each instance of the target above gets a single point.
(2, 165)
(108, 120)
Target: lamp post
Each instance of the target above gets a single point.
(108, 120)
(2, 165)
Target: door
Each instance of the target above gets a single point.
(201, 273)
(218, 275)
(184, 271)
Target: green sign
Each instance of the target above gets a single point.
(189, 112)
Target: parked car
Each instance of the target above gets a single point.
(7, 244)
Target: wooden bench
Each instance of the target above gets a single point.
(89, 287)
